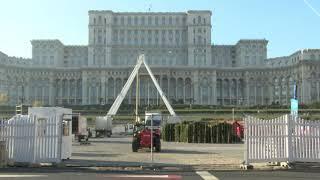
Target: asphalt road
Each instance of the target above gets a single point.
(211, 175)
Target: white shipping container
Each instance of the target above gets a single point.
(104, 125)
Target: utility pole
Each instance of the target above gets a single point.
(233, 114)
(151, 139)
(137, 96)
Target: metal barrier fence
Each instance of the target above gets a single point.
(283, 139)
(31, 139)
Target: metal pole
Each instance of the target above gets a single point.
(157, 98)
(148, 94)
(151, 139)
(302, 84)
(233, 114)
(137, 95)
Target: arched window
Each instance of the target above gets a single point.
(199, 19)
(110, 88)
(115, 20)
(291, 86)
(149, 20)
(100, 20)
(122, 20)
(173, 85)
(283, 90)
(177, 20)
(129, 20)
(156, 20)
(188, 90)
(136, 20)
(199, 40)
(51, 60)
(194, 21)
(205, 91)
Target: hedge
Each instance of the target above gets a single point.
(200, 132)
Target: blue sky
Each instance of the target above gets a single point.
(289, 25)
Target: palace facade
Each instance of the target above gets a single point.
(178, 48)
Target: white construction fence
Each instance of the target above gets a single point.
(283, 139)
(36, 139)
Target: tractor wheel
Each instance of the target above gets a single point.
(108, 134)
(158, 145)
(135, 145)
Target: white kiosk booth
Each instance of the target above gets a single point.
(64, 118)
(42, 136)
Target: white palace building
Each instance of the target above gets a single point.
(178, 48)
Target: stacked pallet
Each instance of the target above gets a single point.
(3, 154)
(200, 132)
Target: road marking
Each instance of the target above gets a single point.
(144, 176)
(206, 175)
(20, 175)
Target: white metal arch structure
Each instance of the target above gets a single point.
(116, 104)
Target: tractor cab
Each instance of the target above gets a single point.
(156, 119)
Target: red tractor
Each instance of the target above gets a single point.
(142, 138)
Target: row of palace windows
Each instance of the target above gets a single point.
(253, 46)
(149, 32)
(253, 60)
(147, 37)
(43, 60)
(44, 46)
(293, 60)
(49, 60)
(149, 20)
(75, 60)
(143, 20)
(119, 36)
(151, 60)
(200, 40)
(200, 20)
(143, 41)
(200, 30)
(313, 57)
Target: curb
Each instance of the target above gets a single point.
(157, 167)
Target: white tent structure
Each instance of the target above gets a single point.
(115, 106)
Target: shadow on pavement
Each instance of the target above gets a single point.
(114, 142)
(97, 163)
(173, 151)
(94, 155)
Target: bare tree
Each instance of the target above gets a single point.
(3, 99)
(36, 103)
